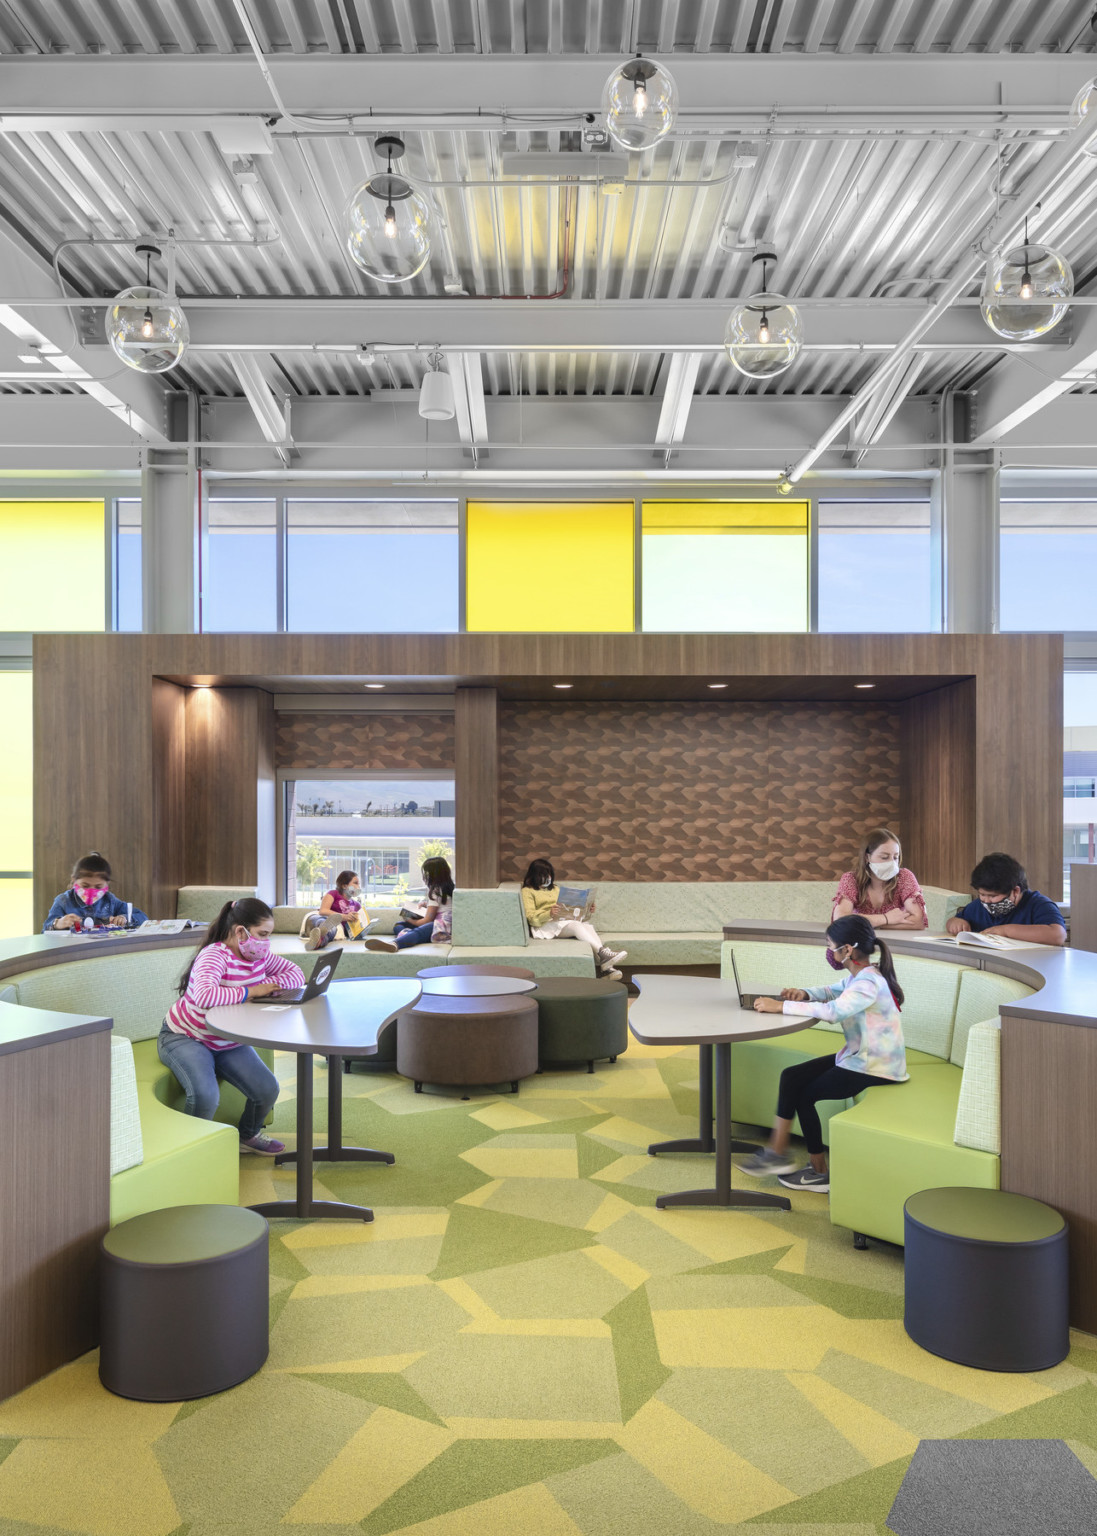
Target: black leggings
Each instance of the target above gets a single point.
(803, 1086)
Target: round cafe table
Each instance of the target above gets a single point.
(704, 1011)
(344, 1021)
(459, 985)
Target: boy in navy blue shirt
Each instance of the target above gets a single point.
(1004, 904)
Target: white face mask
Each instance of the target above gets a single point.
(886, 871)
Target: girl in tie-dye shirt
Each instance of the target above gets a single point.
(866, 1003)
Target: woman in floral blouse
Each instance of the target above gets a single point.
(879, 888)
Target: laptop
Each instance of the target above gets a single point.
(746, 999)
(316, 986)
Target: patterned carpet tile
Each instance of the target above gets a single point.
(522, 1342)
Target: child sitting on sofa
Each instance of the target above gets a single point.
(548, 920)
(866, 1003)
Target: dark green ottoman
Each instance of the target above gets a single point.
(184, 1302)
(986, 1279)
(580, 1020)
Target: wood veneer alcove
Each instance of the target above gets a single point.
(176, 791)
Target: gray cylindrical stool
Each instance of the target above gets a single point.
(184, 1302)
(986, 1279)
(579, 1019)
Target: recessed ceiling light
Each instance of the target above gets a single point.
(375, 685)
(864, 685)
(717, 685)
(563, 685)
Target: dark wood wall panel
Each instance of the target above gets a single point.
(168, 705)
(476, 740)
(938, 784)
(685, 791)
(227, 752)
(381, 743)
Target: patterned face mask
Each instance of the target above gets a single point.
(1000, 908)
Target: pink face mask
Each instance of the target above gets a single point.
(253, 948)
(89, 894)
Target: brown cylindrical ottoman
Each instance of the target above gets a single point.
(460, 1042)
(184, 1302)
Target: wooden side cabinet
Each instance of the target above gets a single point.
(54, 1187)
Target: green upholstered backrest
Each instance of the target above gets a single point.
(126, 1146)
(135, 990)
(979, 1108)
(489, 917)
(941, 904)
(930, 986)
(205, 901)
(981, 995)
(705, 906)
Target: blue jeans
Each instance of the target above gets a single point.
(196, 1069)
(406, 935)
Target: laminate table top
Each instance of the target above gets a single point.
(344, 1021)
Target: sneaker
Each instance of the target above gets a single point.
(385, 946)
(265, 1144)
(317, 936)
(611, 960)
(806, 1178)
(611, 976)
(764, 1162)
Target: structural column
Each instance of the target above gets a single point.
(965, 510)
(476, 760)
(170, 529)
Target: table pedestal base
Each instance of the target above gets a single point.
(303, 1205)
(722, 1144)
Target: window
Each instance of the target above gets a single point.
(240, 567)
(1079, 772)
(372, 566)
(128, 613)
(875, 567)
(723, 565)
(54, 563)
(16, 785)
(562, 566)
(1048, 565)
(382, 828)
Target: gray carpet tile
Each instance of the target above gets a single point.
(995, 1488)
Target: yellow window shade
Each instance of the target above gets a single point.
(16, 908)
(748, 517)
(54, 560)
(565, 566)
(16, 775)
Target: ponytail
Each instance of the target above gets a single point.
(245, 913)
(886, 967)
(859, 934)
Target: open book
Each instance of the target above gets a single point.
(577, 899)
(984, 940)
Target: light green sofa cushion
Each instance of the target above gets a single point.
(357, 960)
(979, 1107)
(289, 919)
(544, 957)
(135, 990)
(126, 1146)
(896, 1140)
(666, 948)
(205, 901)
(493, 917)
(982, 993)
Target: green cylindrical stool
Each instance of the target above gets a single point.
(580, 1019)
(184, 1302)
(986, 1279)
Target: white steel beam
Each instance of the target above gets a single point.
(870, 426)
(268, 411)
(677, 399)
(1018, 389)
(785, 89)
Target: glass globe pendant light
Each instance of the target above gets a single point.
(640, 103)
(1026, 291)
(145, 327)
(388, 222)
(764, 333)
(1081, 107)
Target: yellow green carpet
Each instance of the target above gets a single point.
(522, 1343)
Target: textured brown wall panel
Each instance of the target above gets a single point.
(364, 743)
(685, 791)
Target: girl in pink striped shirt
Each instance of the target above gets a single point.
(234, 963)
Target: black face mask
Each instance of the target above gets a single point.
(1000, 908)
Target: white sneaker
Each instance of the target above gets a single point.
(384, 946)
(611, 976)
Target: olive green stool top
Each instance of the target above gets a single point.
(985, 1215)
(184, 1234)
(581, 1019)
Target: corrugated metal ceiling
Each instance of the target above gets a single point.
(849, 216)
